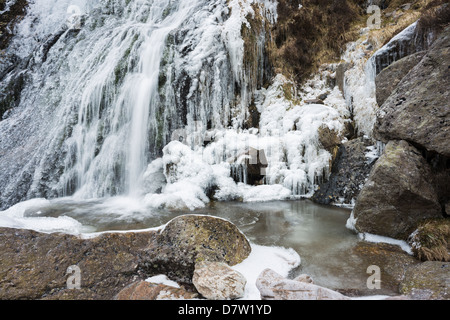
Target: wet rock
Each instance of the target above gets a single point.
(349, 171)
(217, 281)
(398, 195)
(418, 109)
(429, 280)
(389, 78)
(392, 261)
(273, 286)
(34, 265)
(143, 290)
(190, 239)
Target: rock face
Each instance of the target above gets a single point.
(34, 265)
(418, 109)
(273, 286)
(217, 281)
(398, 195)
(428, 280)
(389, 78)
(348, 174)
(142, 290)
(190, 239)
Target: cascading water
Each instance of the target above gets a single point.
(104, 95)
(100, 103)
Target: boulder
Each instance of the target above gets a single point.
(398, 194)
(392, 261)
(35, 265)
(190, 239)
(218, 281)
(143, 290)
(273, 286)
(418, 110)
(429, 280)
(389, 78)
(349, 172)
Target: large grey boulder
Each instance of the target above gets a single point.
(418, 110)
(398, 195)
(191, 239)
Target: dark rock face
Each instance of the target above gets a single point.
(35, 265)
(348, 174)
(398, 195)
(418, 110)
(389, 78)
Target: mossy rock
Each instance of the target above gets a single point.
(210, 238)
(190, 239)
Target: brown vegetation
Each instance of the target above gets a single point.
(431, 240)
(307, 37)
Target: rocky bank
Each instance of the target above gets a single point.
(35, 265)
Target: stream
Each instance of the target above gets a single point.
(317, 233)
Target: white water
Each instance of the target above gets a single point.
(100, 108)
(103, 102)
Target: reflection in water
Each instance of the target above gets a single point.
(316, 232)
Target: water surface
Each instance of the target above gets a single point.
(317, 233)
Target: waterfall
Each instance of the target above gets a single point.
(101, 101)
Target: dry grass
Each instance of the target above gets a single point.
(431, 240)
(305, 38)
(317, 33)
